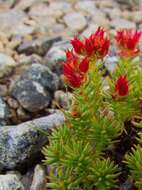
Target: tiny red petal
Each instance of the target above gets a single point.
(77, 45)
(84, 65)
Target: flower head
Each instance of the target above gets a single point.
(75, 69)
(96, 45)
(122, 86)
(127, 40)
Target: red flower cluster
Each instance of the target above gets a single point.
(75, 69)
(127, 40)
(96, 45)
(122, 86)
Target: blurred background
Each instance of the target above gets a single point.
(65, 18)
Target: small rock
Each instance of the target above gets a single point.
(6, 64)
(107, 4)
(27, 179)
(31, 95)
(137, 17)
(12, 103)
(9, 19)
(44, 24)
(23, 30)
(58, 9)
(63, 99)
(35, 87)
(4, 110)
(29, 59)
(100, 19)
(10, 182)
(23, 5)
(22, 114)
(119, 23)
(43, 75)
(40, 9)
(129, 3)
(3, 90)
(87, 6)
(75, 21)
(39, 179)
(20, 145)
(37, 46)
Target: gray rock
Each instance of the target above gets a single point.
(75, 21)
(35, 87)
(9, 19)
(23, 5)
(87, 6)
(37, 46)
(40, 9)
(63, 99)
(6, 64)
(10, 182)
(39, 178)
(20, 145)
(137, 17)
(129, 3)
(42, 74)
(23, 30)
(119, 23)
(31, 95)
(4, 110)
(56, 55)
(111, 63)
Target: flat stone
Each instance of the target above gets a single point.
(4, 110)
(75, 21)
(40, 9)
(58, 9)
(7, 63)
(31, 95)
(37, 46)
(35, 87)
(100, 19)
(20, 146)
(23, 5)
(43, 75)
(10, 182)
(119, 23)
(87, 6)
(137, 17)
(23, 30)
(39, 178)
(10, 19)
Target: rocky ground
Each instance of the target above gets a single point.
(33, 37)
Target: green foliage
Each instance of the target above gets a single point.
(104, 174)
(134, 162)
(84, 153)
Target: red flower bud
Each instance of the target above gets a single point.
(121, 86)
(127, 40)
(77, 45)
